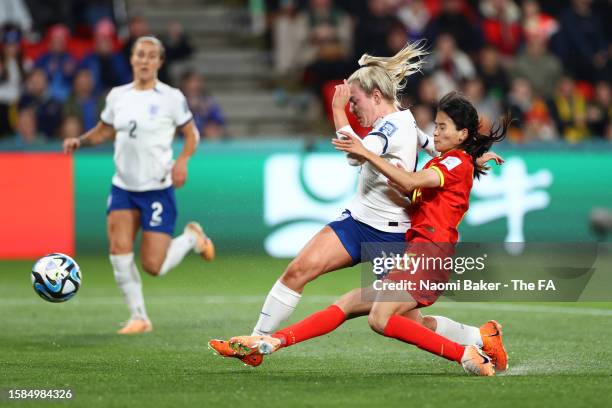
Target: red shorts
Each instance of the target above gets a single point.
(428, 271)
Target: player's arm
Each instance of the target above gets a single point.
(99, 134)
(342, 95)
(191, 138)
(426, 143)
(407, 181)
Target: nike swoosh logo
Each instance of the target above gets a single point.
(485, 360)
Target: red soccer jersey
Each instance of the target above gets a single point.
(437, 212)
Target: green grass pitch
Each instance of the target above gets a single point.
(560, 354)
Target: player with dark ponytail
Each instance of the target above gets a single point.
(440, 196)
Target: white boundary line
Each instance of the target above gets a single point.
(258, 300)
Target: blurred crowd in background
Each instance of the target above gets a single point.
(58, 60)
(547, 62)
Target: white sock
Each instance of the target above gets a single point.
(279, 305)
(128, 279)
(457, 332)
(177, 250)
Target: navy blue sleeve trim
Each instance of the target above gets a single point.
(425, 144)
(384, 137)
(186, 122)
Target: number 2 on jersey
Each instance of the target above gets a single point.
(133, 126)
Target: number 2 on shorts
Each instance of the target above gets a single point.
(156, 219)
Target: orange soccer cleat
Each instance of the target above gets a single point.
(248, 345)
(492, 344)
(222, 348)
(136, 326)
(204, 246)
(474, 361)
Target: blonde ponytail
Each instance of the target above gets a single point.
(387, 74)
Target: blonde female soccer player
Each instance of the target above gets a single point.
(440, 198)
(377, 213)
(143, 117)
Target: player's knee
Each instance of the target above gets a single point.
(118, 247)
(299, 273)
(378, 321)
(151, 266)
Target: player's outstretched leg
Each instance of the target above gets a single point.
(323, 253)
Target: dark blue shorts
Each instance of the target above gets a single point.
(157, 207)
(360, 240)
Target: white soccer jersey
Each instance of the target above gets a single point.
(376, 204)
(145, 123)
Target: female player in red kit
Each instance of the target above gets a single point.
(440, 198)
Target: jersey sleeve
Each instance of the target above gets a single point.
(107, 116)
(386, 131)
(181, 113)
(452, 169)
(426, 143)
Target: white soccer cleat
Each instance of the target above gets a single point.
(474, 361)
(204, 246)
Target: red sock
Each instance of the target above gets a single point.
(409, 331)
(317, 324)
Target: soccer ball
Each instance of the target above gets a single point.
(56, 277)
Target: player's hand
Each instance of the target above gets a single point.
(342, 94)
(71, 144)
(488, 156)
(350, 144)
(179, 172)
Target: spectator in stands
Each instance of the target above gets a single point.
(494, 77)
(27, 129)
(84, 102)
(424, 118)
(448, 65)
(323, 39)
(373, 27)
(11, 75)
(489, 108)
(568, 109)
(37, 97)
(178, 48)
(138, 26)
(71, 127)
(415, 16)
(58, 64)
(536, 64)
(599, 111)
(580, 42)
(107, 66)
(501, 25)
(537, 22)
(207, 113)
(532, 119)
(454, 19)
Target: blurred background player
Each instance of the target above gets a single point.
(142, 117)
(440, 199)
